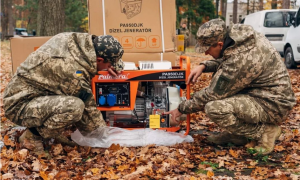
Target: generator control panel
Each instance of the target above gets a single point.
(113, 94)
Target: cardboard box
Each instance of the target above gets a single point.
(180, 42)
(21, 47)
(135, 23)
(136, 57)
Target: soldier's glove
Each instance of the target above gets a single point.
(85, 93)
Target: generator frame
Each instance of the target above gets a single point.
(133, 77)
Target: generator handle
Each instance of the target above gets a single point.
(188, 64)
(188, 88)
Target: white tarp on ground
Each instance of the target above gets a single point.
(106, 136)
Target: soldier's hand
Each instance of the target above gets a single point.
(113, 72)
(174, 116)
(85, 92)
(195, 73)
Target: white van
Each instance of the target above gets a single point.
(274, 24)
(292, 46)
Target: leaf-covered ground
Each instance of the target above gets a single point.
(198, 160)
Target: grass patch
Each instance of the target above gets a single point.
(200, 171)
(213, 165)
(84, 160)
(258, 155)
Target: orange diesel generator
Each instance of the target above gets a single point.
(139, 96)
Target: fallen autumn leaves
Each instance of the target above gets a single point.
(198, 160)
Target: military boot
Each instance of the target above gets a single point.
(57, 135)
(266, 143)
(64, 140)
(32, 142)
(225, 137)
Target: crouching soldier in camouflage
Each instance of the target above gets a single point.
(51, 90)
(250, 93)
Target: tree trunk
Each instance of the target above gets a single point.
(178, 22)
(274, 4)
(6, 19)
(286, 4)
(188, 24)
(11, 21)
(221, 6)
(261, 5)
(235, 5)
(225, 8)
(217, 8)
(248, 7)
(51, 17)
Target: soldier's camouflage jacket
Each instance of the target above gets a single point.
(250, 66)
(51, 70)
(185, 32)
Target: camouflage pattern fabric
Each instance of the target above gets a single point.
(109, 48)
(51, 114)
(212, 65)
(185, 32)
(55, 79)
(239, 115)
(209, 34)
(251, 66)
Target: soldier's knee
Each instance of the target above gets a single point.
(216, 110)
(69, 105)
(69, 112)
(212, 108)
(76, 107)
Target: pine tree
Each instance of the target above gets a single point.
(31, 8)
(76, 15)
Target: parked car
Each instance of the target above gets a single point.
(21, 32)
(274, 24)
(292, 45)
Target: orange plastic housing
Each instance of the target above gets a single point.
(136, 76)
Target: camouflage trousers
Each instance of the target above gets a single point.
(239, 115)
(50, 115)
(185, 44)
